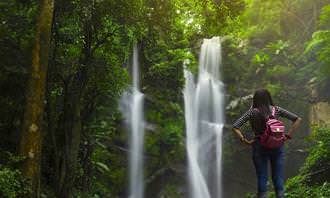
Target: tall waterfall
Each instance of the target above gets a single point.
(132, 109)
(204, 115)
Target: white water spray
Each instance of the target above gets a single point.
(132, 109)
(204, 115)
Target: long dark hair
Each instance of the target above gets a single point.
(262, 100)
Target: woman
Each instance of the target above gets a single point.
(257, 115)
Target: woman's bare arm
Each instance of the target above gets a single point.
(294, 127)
(239, 133)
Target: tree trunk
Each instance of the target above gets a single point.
(31, 137)
(72, 129)
(72, 123)
(87, 165)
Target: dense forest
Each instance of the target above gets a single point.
(65, 64)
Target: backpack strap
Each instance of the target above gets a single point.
(273, 111)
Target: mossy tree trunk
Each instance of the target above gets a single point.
(31, 135)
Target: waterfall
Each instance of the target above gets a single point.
(131, 106)
(204, 115)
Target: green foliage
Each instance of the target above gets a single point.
(325, 17)
(263, 47)
(318, 52)
(260, 59)
(279, 71)
(319, 154)
(109, 172)
(313, 180)
(274, 89)
(172, 138)
(319, 45)
(297, 188)
(12, 182)
(170, 191)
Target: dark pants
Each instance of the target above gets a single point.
(261, 157)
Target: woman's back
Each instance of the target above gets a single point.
(258, 119)
(257, 115)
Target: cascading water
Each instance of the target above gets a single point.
(204, 115)
(132, 109)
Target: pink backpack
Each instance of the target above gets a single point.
(274, 134)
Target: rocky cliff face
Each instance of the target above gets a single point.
(320, 114)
